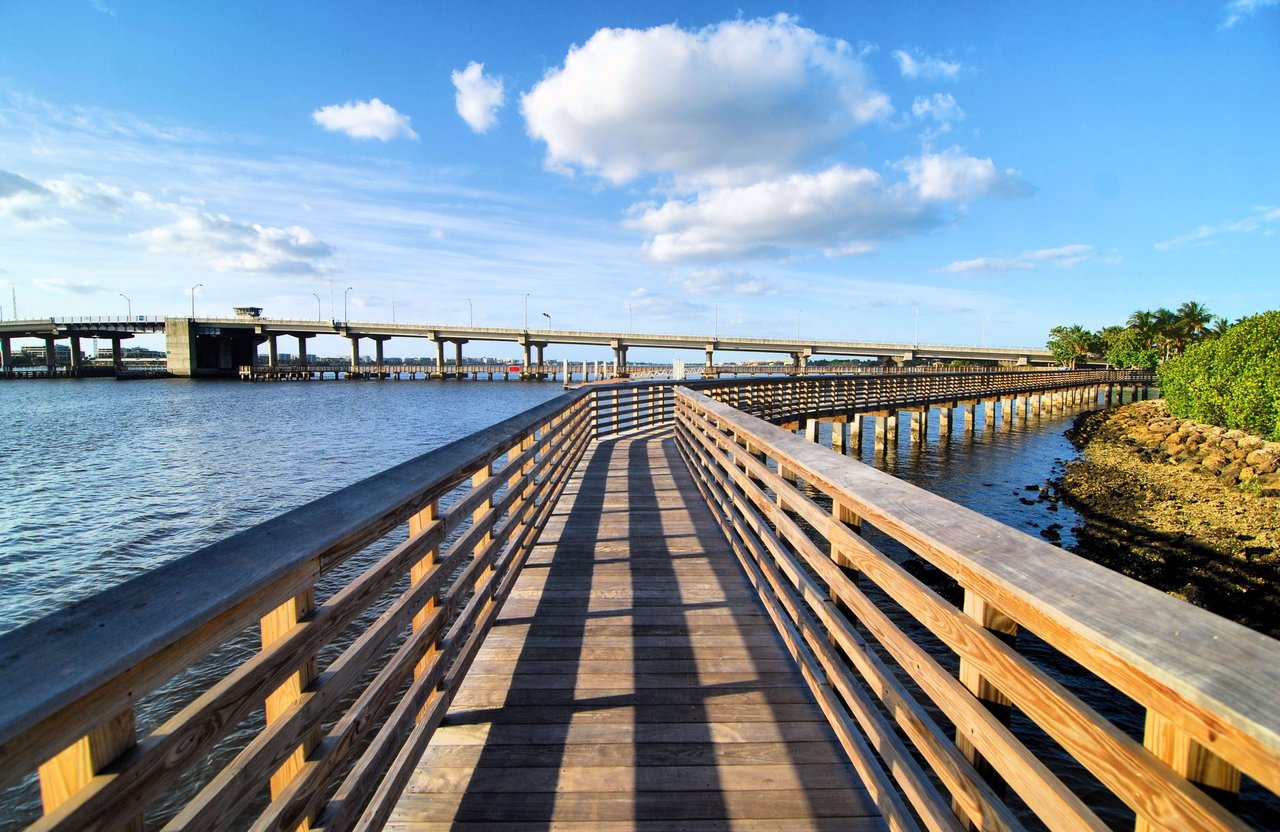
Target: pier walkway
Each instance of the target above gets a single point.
(633, 680)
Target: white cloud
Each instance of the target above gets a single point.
(101, 6)
(941, 107)
(953, 176)
(29, 204)
(925, 67)
(727, 104)
(1262, 217)
(365, 120)
(227, 245)
(478, 98)
(725, 281)
(1238, 10)
(833, 209)
(62, 286)
(1062, 256)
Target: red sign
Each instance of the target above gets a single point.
(514, 368)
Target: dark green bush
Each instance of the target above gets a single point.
(1232, 380)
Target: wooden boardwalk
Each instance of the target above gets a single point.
(633, 681)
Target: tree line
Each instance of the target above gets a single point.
(1147, 338)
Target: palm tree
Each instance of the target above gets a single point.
(1219, 326)
(1143, 322)
(1166, 334)
(1194, 319)
(1071, 343)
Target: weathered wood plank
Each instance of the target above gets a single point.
(632, 676)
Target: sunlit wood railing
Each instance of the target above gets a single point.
(349, 623)
(931, 735)
(339, 741)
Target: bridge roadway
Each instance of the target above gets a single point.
(234, 341)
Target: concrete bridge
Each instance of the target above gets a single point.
(220, 346)
(652, 606)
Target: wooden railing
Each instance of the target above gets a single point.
(339, 740)
(783, 400)
(354, 619)
(931, 734)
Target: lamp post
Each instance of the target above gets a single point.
(716, 324)
(393, 304)
(526, 311)
(130, 304)
(193, 299)
(471, 311)
(547, 315)
(317, 297)
(344, 303)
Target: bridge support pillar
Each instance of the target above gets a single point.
(944, 423)
(117, 353)
(855, 434)
(51, 356)
(1010, 413)
(6, 356)
(273, 353)
(541, 360)
(355, 352)
(620, 362)
(919, 426)
(75, 356)
(457, 356)
(970, 418)
(811, 430)
(839, 436)
(377, 350)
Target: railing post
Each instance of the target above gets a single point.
(73, 768)
(419, 523)
(1000, 705)
(1215, 776)
(275, 625)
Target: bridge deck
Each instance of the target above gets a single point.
(633, 682)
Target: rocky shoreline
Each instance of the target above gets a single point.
(1191, 509)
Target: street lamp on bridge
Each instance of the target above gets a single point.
(526, 311)
(317, 297)
(344, 304)
(471, 310)
(193, 299)
(130, 304)
(547, 315)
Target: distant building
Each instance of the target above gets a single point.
(36, 355)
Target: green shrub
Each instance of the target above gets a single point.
(1232, 380)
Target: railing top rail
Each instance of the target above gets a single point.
(104, 639)
(1188, 663)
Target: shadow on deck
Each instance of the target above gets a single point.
(633, 681)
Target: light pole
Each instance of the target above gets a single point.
(471, 311)
(548, 317)
(393, 304)
(317, 297)
(130, 304)
(193, 299)
(716, 326)
(526, 311)
(344, 303)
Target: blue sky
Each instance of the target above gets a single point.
(763, 169)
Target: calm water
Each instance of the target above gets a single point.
(104, 479)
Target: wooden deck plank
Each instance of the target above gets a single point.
(633, 681)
